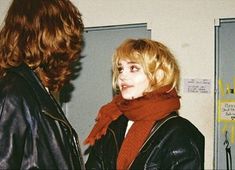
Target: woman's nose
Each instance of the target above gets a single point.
(123, 75)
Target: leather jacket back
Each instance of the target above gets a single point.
(34, 132)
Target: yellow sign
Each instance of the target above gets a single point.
(226, 110)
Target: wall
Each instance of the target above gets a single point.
(3, 9)
(187, 27)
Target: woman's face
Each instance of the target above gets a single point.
(132, 80)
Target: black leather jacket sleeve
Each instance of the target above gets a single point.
(184, 157)
(177, 153)
(13, 129)
(103, 154)
(95, 161)
(176, 145)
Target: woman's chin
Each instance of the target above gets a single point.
(130, 97)
(127, 97)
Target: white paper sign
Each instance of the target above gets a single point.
(197, 85)
(227, 111)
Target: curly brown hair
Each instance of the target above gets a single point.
(44, 34)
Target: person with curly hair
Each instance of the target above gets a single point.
(39, 42)
(141, 128)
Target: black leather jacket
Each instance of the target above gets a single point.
(174, 143)
(34, 132)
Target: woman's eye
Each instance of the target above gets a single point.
(134, 68)
(120, 69)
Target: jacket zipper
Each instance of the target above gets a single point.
(75, 141)
(59, 120)
(77, 145)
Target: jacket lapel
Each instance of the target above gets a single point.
(153, 133)
(48, 103)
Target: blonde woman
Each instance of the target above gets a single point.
(140, 128)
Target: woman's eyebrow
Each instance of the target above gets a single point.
(131, 62)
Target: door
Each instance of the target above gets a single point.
(225, 94)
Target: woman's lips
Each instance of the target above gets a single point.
(126, 86)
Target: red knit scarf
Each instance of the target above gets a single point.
(144, 111)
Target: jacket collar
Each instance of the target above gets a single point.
(46, 100)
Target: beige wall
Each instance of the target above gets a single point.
(187, 27)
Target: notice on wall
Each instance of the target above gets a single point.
(227, 110)
(197, 85)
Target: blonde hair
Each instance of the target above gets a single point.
(158, 63)
(44, 34)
